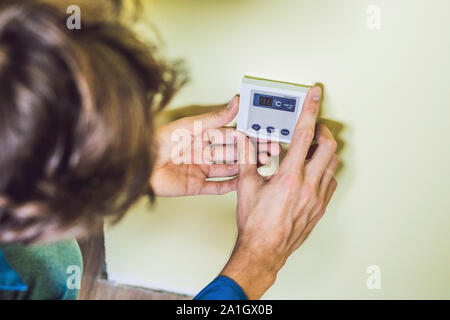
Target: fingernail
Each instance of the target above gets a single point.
(316, 93)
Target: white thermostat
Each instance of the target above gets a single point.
(270, 109)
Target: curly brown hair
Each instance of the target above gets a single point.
(76, 110)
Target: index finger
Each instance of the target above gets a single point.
(304, 131)
(218, 118)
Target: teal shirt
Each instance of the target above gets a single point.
(40, 272)
(50, 272)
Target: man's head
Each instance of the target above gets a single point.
(76, 113)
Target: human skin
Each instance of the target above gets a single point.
(275, 216)
(217, 151)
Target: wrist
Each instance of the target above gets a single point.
(254, 274)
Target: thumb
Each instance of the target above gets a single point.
(221, 117)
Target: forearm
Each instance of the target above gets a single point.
(255, 275)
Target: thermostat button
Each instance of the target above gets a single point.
(285, 132)
(270, 129)
(256, 127)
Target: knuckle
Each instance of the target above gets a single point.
(330, 171)
(312, 108)
(325, 137)
(306, 134)
(212, 151)
(239, 136)
(333, 145)
(334, 183)
(336, 158)
(311, 196)
(330, 143)
(320, 214)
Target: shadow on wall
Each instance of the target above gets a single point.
(335, 127)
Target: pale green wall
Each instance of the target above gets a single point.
(390, 91)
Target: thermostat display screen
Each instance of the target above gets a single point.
(273, 102)
(265, 101)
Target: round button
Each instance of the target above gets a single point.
(284, 132)
(270, 129)
(256, 127)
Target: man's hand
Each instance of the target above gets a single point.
(275, 216)
(206, 150)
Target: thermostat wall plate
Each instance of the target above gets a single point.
(270, 109)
